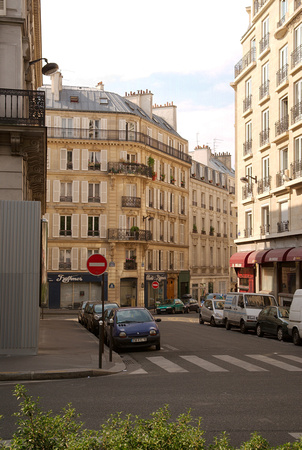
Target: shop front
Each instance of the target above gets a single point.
(67, 291)
(245, 270)
(128, 292)
(155, 289)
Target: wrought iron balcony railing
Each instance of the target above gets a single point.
(280, 178)
(248, 58)
(117, 135)
(247, 191)
(282, 74)
(258, 5)
(283, 226)
(22, 107)
(264, 229)
(281, 126)
(264, 43)
(264, 185)
(129, 168)
(247, 103)
(297, 4)
(296, 112)
(65, 265)
(248, 232)
(264, 90)
(296, 169)
(130, 265)
(120, 234)
(247, 147)
(131, 202)
(296, 56)
(264, 137)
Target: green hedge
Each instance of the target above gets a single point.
(44, 431)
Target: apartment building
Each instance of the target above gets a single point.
(268, 95)
(212, 222)
(117, 184)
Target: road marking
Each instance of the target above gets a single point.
(293, 358)
(167, 365)
(296, 435)
(239, 363)
(138, 372)
(276, 363)
(170, 347)
(210, 367)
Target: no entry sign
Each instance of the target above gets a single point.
(155, 284)
(96, 264)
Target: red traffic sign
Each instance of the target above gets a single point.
(96, 264)
(155, 284)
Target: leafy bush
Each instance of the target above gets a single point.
(43, 431)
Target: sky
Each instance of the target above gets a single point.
(182, 51)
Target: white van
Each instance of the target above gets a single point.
(242, 309)
(295, 318)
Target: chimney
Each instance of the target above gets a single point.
(168, 112)
(143, 99)
(100, 86)
(56, 85)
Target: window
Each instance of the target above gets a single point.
(211, 203)
(94, 193)
(203, 200)
(264, 135)
(67, 127)
(283, 159)
(264, 42)
(65, 192)
(69, 164)
(265, 221)
(65, 259)
(282, 73)
(282, 126)
(194, 198)
(297, 109)
(247, 102)
(93, 226)
(265, 175)
(181, 260)
(283, 225)
(248, 224)
(264, 88)
(94, 161)
(247, 147)
(91, 252)
(283, 10)
(296, 56)
(65, 225)
(171, 232)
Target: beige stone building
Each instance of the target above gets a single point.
(117, 184)
(212, 222)
(268, 93)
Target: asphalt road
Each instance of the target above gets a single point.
(236, 383)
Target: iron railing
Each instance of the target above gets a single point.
(264, 185)
(282, 74)
(117, 135)
(283, 226)
(130, 265)
(247, 191)
(248, 58)
(296, 56)
(281, 126)
(264, 90)
(22, 107)
(264, 229)
(131, 202)
(264, 43)
(120, 234)
(264, 137)
(129, 168)
(296, 169)
(258, 5)
(247, 103)
(280, 178)
(247, 147)
(296, 112)
(297, 4)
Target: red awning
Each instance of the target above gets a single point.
(257, 256)
(276, 255)
(239, 259)
(295, 254)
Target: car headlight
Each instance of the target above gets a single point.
(122, 334)
(153, 332)
(97, 316)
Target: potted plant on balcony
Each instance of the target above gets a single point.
(150, 161)
(212, 229)
(154, 176)
(162, 177)
(134, 230)
(194, 228)
(172, 179)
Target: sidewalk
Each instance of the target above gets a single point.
(66, 350)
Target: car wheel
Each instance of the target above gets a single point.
(280, 334)
(243, 327)
(296, 337)
(227, 324)
(212, 322)
(259, 332)
(201, 320)
(157, 346)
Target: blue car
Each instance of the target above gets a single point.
(132, 328)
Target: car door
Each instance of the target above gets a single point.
(206, 312)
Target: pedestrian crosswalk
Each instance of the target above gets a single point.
(219, 363)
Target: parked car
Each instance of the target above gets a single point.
(132, 328)
(273, 320)
(212, 311)
(81, 311)
(191, 305)
(170, 306)
(214, 295)
(87, 312)
(95, 315)
(242, 309)
(295, 318)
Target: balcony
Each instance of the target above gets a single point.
(296, 57)
(94, 199)
(282, 75)
(280, 178)
(264, 90)
(264, 43)
(65, 265)
(247, 148)
(247, 103)
(264, 185)
(22, 107)
(94, 166)
(248, 232)
(264, 229)
(296, 169)
(297, 4)
(264, 137)
(130, 264)
(247, 191)
(296, 112)
(248, 58)
(283, 226)
(129, 169)
(258, 4)
(131, 202)
(117, 135)
(120, 234)
(66, 198)
(281, 126)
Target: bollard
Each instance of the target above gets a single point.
(101, 334)
(110, 345)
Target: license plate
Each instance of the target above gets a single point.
(142, 339)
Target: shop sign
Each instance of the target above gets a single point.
(111, 286)
(156, 277)
(63, 279)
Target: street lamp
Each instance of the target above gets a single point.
(246, 179)
(48, 69)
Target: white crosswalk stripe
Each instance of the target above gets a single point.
(210, 367)
(240, 363)
(292, 358)
(167, 365)
(276, 363)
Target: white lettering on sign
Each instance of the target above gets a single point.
(68, 279)
(96, 264)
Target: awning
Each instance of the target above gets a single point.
(239, 259)
(257, 256)
(276, 255)
(295, 254)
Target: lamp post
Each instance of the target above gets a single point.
(48, 69)
(246, 179)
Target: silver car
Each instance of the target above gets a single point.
(212, 311)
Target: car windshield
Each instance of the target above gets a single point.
(219, 304)
(135, 315)
(167, 302)
(284, 313)
(259, 301)
(98, 308)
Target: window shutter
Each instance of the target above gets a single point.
(58, 124)
(179, 177)
(168, 232)
(84, 258)
(122, 130)
(138, 158)
(102, 251)
(147, 196)
(123, 155)
(175, 266)
(181, 233)
(103, 225)
(77, 126)
(84, 196)
(75, 225)
(56, 186)
(75, 191)
(175, 233)
(63, 159)
(103, 189)
(48, 158)
(165, 230)
(47, 118)
(55, 258)
(76, 159)
(122, 222)
(166, 172)
(84, 225)
(158, 198)
(153, 259)
(48, 190)
(172, 206)
(55, 225)
(85, 127)
(103, 128)
(161, 260)
(74, 259)
(2, 7)
(104, 160)
(165, 200)
(85, 159)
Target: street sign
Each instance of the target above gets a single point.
(96, 264)
(155, 284)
